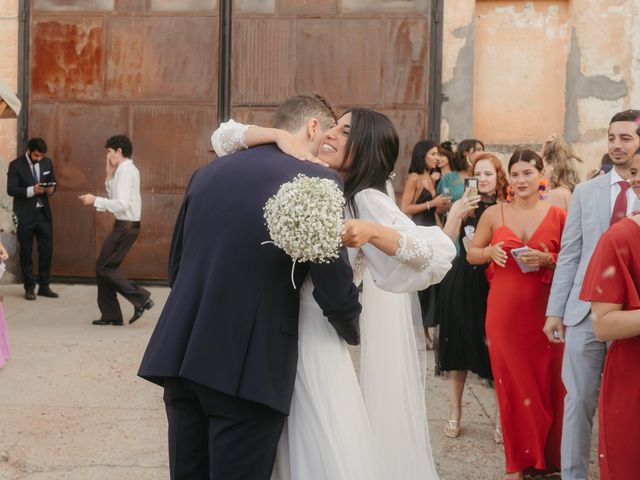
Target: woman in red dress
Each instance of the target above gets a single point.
(526, 368)
(612, 284)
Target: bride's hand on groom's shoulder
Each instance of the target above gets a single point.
(293, 147)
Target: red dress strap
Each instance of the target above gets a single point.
(502, 213)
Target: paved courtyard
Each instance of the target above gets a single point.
(72, 408)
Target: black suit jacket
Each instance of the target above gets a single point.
(19, 178)
(231, 320)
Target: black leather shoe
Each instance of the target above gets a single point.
(47, 292)
(138, 311)
(104, 321)
(29, 295)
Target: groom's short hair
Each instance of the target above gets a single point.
(294, 112)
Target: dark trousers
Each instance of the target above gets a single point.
(213, 436)
(110, 278)
(42, 230)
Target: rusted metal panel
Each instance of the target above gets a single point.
(309, 7)
(67, 58)
(254, 6)
(342, 58)
(74, 237)
(411, 126)
(165, 58)
(406, 6)
(253, 116)
(170, 143)
(183, 5)
(406, 62)
(83, 130)
(263, 72)
(132, 6)
(73, 5)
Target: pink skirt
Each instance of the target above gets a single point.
(5, 353)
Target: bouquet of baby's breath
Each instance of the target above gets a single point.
(305, 219)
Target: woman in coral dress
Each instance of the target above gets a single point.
(526, 368)
(612, 284)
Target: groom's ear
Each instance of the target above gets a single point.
(313, 127)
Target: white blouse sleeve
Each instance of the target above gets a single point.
(229, 138)
(424, 254)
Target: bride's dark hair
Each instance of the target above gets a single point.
(373, 147)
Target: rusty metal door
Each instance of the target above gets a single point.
(365, 53)
(149, 68)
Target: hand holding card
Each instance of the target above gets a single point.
(516, 252)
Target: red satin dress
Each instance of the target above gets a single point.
(526, 367)
(613, 276)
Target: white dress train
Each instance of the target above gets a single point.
(339, 429)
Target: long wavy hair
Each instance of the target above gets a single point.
(561, 158)
(420, 151)
(373, 146)
(502, 182)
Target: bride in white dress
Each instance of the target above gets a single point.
(339, 429)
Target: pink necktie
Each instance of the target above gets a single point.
(620, 207)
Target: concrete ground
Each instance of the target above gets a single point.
(72, 408)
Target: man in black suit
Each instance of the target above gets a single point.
(225, 347)
(30, 181)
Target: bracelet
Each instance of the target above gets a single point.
(428, 206)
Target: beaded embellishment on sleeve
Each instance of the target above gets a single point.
(359, 267)
(414, 251)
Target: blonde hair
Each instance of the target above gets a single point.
(560, 156)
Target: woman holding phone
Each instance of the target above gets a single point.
(526, 368)
(462, 299)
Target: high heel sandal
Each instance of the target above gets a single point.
(497, 435)
(452, 429)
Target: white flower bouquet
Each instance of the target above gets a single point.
(305, 219)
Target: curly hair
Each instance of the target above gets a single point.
(502, 182)
(560, 156)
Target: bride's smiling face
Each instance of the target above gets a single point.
(333, 145)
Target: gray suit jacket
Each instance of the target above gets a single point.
(588, 218)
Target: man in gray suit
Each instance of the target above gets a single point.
(595, 206)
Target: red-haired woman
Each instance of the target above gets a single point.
(462, 298)
(612, 284)
(522, 239)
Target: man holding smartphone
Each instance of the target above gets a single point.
(30, 181)
(124, 201)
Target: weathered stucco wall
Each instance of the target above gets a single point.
(8, 135)
(579, 63)
(8, 72)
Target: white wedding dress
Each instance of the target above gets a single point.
(339, 429)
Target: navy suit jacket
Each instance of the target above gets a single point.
(19, 178)
(231, 320)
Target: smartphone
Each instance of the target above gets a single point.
(515, 252)
(47, 184)
(471, 185)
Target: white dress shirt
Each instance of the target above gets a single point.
(632, 200)
(123, 190)
(31, 190)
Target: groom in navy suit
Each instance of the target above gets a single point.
(225, 346)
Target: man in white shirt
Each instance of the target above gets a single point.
(595, 206)
(123, 192)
